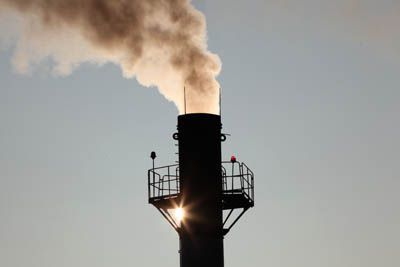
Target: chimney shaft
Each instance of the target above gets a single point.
(202, 187)
(201, 231)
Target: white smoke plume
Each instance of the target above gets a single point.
(162, 43)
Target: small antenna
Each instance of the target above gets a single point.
(220, 102)
(184, 97)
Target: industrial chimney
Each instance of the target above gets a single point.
(194, 194)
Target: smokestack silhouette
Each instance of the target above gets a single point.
(207, 195)
(160, 42)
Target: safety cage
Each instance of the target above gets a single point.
(237, 189)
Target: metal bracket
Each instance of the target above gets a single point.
(226, 230)
(169, 218)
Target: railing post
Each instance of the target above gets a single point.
(241, 177)
(169, 186)
(252, 187)
(233, 184)
(148, 184)
(154, 188)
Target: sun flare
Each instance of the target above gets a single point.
(179, 214)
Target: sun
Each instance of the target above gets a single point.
(179, 214)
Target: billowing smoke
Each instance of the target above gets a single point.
(162, 43)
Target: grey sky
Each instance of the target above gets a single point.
(311, 98)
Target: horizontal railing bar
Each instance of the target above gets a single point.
(167, 166)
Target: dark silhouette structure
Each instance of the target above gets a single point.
(203, 187)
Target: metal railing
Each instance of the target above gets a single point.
(163, 181)
(237, 178)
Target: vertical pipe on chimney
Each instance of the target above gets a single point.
(201, 235)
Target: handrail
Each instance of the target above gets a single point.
(236, 178)
(163, 181)
(240, 178)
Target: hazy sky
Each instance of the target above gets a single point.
(311, 98)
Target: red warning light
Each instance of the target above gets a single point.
(233, 159)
